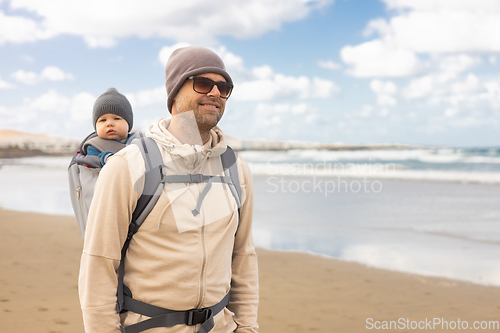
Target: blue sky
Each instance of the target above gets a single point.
(352, 71)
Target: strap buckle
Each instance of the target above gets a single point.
(197, 316)
(163, 174)
(132, 229)
(196, 178)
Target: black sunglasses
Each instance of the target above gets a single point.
(204, 85)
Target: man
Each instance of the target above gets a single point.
(194, 250)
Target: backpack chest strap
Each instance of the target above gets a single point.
(161, 317)
(195, 178)
(198, 178)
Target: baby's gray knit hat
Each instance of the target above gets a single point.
(189, 61)
(113, 102)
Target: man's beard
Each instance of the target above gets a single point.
(207, 121)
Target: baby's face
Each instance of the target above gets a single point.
(111, 126)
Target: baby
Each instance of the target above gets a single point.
(113, 120)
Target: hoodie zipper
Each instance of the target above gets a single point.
(203, 263)
(204, 255)
(202, 274)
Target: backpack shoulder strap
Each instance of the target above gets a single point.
(153, 184)
(228, 159)
(79, 150)
(103, 145)
(153, 187)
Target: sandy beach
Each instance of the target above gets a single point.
(39, 260)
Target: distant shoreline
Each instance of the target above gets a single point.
(19, 153)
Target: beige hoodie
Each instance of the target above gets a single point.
(176, 260)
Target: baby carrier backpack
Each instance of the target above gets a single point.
(83, 173)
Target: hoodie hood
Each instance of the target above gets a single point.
(191, 155)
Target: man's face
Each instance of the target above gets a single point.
(207, 108)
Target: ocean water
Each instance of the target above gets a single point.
(443, 229)
(471, 165)
(35, 184)
(429, 211)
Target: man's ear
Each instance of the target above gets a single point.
(174, 109)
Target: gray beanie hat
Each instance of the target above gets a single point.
(113, 102)
(188, 61)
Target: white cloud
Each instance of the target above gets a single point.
(53, 73)
(148, 97)
(261, 83)
(100, 41)
(101, 24)
(365, 112)
(17, 29)
(461, 31)
(22, 76)
(52, 102)
(471, 85)
(442, 26)
(379, 26)
(52, 113)
(386, 100)
(5, 85)
(283, 119)
(492, 93)
(385, 92)
(459, 96)
(441, 41)
(234, 63)
(263, 72)
(368, 112)
(377, 59)
(50, 73)
(381, 87)
(428, 5)
(420, 87)
(426, 27)
(328, 64)
(456, 64)
(445, 75)
(81, 106)
(450, 112)
(77, 107)
(280, 86)
(166, 51)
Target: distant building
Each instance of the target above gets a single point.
(28, 141)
